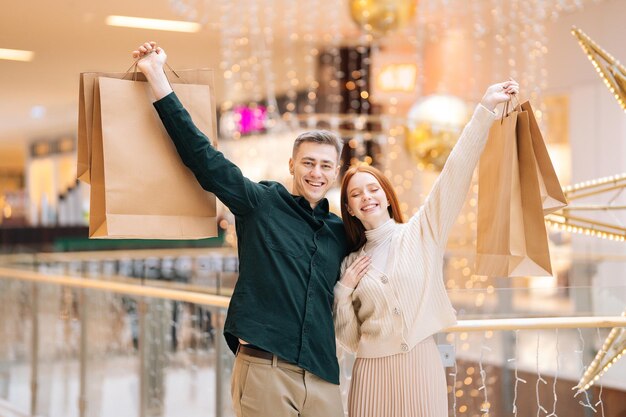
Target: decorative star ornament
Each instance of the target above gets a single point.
(583, 218)
(613, 348)
(610, 70)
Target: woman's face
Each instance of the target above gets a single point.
(366, 200)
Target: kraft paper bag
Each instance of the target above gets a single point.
(82, 157)
(85, 119)
(511, 238)
(86, 103)
(552, 197)
(140, 188)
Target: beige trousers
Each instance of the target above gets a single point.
(273, 388)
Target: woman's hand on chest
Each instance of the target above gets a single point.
(356, 271)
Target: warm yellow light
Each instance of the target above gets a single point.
(397, 78)
(154, 24)
(16, 55)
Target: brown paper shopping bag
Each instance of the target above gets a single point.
(85, 119)
(511, 237)
(552, 197)
(139, 186)
(82, 157)
(86, 103)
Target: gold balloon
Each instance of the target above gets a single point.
(428, 147)
(434, 124)
(382, 16)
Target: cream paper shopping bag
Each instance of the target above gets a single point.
(140, 187)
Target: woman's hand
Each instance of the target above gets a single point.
(499, 93)
(353, 274)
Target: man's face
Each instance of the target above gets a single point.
(314, 168)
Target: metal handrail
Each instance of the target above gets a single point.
(118, 287)
(106, 255)
(535, 323)
(7, 407)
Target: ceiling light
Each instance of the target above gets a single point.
(154, 24)
(16, 55)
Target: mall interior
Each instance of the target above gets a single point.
(95, 322)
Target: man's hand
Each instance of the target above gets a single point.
(151, 57)
(151, 61)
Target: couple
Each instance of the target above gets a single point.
(372, 281)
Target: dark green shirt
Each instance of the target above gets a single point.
(289, 255)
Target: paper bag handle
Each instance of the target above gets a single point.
(506, 107)
(134, 68)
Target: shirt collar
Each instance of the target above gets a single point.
(322, 206)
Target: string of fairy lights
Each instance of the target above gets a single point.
(514, 31)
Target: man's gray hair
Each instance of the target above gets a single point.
(323, 137)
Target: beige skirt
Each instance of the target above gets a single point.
(404, 385)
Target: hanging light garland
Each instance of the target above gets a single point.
(310, 59)
(290, 38)
(227, 117)
(515, 31)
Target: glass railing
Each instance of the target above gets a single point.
(140, 334)
(72, 351)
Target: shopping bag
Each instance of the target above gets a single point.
(140, 188)
(86, 103)
(82, 151)
(85, 114)
(511, 236)
(552, 197)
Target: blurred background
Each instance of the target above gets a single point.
(398, 79)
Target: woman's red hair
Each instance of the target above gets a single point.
(355, 231)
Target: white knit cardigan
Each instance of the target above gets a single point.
(390, 312)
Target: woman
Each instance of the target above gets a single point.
(391, 298)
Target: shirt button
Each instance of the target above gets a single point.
(396, 311)
(384, 279)
(404, 347)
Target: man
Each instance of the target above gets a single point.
(290, 246)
